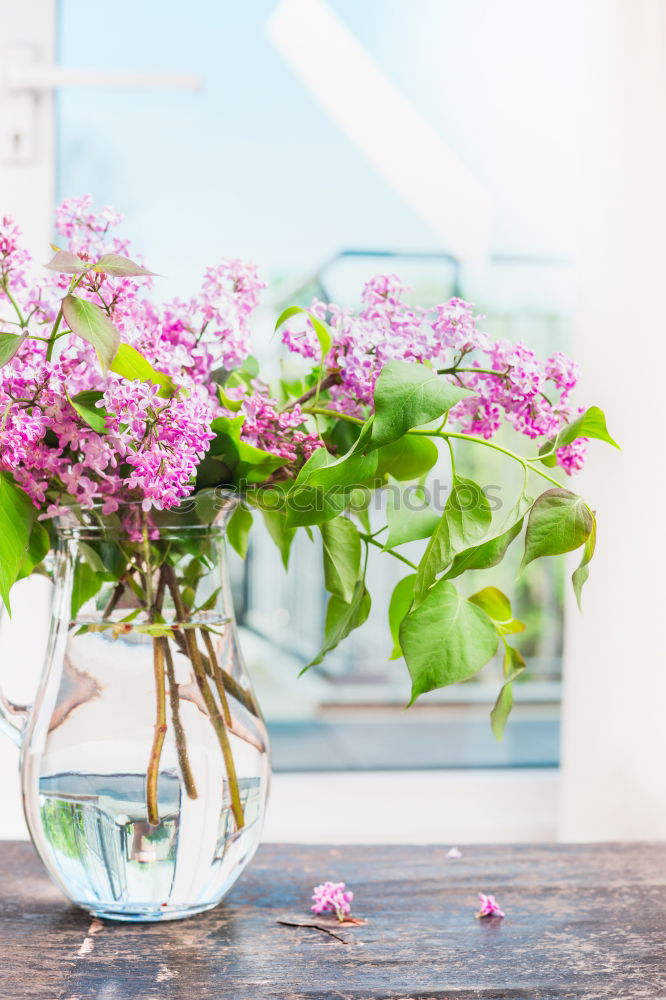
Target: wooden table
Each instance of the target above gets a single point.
(585, 922)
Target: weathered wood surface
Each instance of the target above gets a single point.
(585, 922)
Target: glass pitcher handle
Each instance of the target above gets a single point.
(13, 718)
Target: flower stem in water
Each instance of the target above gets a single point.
(153, 771)
(216, 717)
(174, 701)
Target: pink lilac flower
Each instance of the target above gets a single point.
(561, 370)
(454, 853)
(277, 431)
(76, 220)
(488, 908)
(14, 259)
(332, 897)
(42, 439)
(161, 440)
(507, 380)
(456, 327)
(572, 456)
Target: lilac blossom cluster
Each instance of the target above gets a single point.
(508, 380)
(52, 454)
(332, 897)
(150, 447)
(275, 430)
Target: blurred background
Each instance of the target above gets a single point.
(509, 152)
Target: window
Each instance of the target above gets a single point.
(264, 163)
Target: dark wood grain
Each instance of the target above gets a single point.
(585, 922)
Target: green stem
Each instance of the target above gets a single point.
(471, 371)
(58, 320)
(396, 555)
(54, 335)
(526, 464)
(153, 771)
(146, 557)
(174, 701)
(322, 386)
(322, 411)
(21, 318)
(214, 713)
(453, 457)
(231, 686)
(159, 733)
(216, 674)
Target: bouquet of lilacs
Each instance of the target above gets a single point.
(117, 407)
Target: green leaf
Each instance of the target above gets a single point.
(120, 267)
(399, 605)
(210, 602)
(514, 665)
(341, 618)
(342, 556)
(591, 424)
(559, 522)
(89, 322)
(86, 584)
(66, 262)
(581, 573)
(323, 485)
(39, 544)
(358, 504)
(344, 473)
(485, 555)
(157, 631)
(408, 515)
(92, 557)
(445, 640)
(9, 345)
(84, 404)
(340, 437)
(132, 365)
(230, 404)
(321, 329)
(312, 505)
(498, 607)
(466, 519)
(495, 604)
(17, 515)
(238, 529)
(501, 711)
(232, 461)
(410, 457)
(250, 366)
(547, 454)
(409, 395)
(468, 513)
(280, 532)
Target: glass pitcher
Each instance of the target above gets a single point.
(144, 760)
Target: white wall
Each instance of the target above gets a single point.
(614, 740)
(27, 175)
(27, 183)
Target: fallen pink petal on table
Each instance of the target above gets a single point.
(332, 897)
(489, 907)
